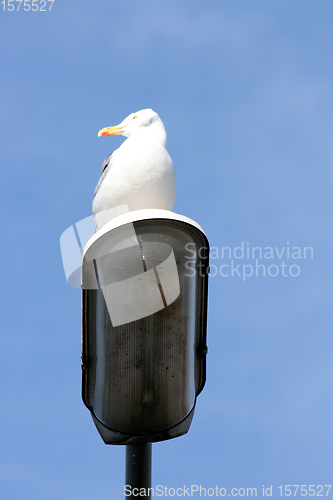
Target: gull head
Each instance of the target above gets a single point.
(135, 121)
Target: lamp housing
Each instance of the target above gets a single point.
(144, 286)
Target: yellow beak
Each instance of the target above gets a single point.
(117, 130)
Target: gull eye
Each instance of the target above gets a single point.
(134, 117)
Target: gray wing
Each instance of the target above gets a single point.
(106, 165)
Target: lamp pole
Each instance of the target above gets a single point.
(144, 332)
(138, 467)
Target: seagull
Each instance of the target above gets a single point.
(140, 173)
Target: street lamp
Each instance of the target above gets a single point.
(145, 282)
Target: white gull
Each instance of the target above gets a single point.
(140, 173)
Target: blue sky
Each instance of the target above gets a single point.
(245, 89)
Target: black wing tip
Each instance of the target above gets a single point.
(106, 162)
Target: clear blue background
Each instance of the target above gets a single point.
(245, 89)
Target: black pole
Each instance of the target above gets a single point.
(138, 469)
